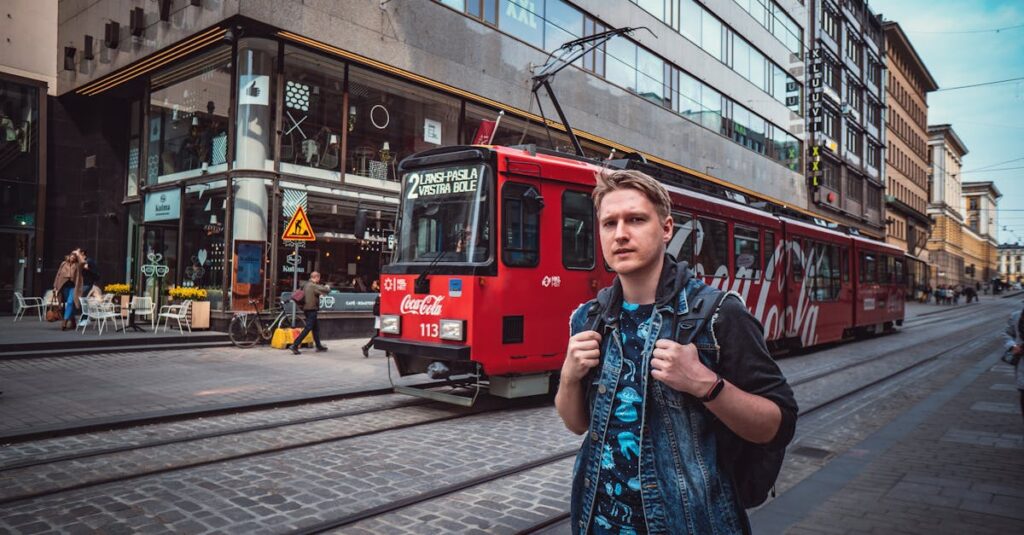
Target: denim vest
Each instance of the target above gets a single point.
(682, 488)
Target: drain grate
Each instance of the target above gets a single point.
(814, 453)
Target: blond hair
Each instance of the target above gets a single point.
(608, 182)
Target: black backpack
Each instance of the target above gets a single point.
(753, 467)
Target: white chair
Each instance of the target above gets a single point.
(178, 313)
(87, 308)
(82, 302)
(142, 305)
(100, 312)
(25, 303)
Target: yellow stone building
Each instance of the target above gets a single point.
(945, 206)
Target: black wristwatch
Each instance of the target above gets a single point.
(714, 390)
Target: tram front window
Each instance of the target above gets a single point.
(446, 215)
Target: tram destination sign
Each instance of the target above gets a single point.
(448, 181)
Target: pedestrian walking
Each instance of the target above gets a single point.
(1014, 336)
(67, 285)
(647, 392)
(312, 290)
(376, 327)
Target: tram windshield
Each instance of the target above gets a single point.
(446, 215)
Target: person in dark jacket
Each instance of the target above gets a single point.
(310, 306)
(650, 394)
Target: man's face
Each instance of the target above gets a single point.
(315, 277)
(633, 236)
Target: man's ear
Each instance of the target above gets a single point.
(667, 227)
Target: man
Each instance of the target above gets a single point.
(650, 461)
(1014, 336)
(311, 304)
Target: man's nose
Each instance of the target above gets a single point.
(620, 231)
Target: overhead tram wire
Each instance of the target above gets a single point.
(981, 84)
(991, 165)
(989, 30)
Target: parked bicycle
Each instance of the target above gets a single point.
(250, 328)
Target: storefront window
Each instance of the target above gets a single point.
(134, 146)
(389, 119)
(312, 116)
(19, 154)
(188, 118)
(203, 239)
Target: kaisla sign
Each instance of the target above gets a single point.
(298, 228)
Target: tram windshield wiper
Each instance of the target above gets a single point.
(422, 284)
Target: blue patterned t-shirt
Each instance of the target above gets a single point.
(618, 507)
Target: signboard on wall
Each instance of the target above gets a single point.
(162, 205)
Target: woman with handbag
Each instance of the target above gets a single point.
(68, 285)
(1015, 349)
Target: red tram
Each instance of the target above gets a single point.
(496, 246)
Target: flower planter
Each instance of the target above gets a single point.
(199, 315)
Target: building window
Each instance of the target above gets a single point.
(854, 140)
(874, 114)
(188, 118)
(830, 24)
(853, 49)
(853, 97)
(562, 23)
(830, 123)
(621, 62)
(854, 188)
(594, 61)
(874, 71)
(972, 203)
(312, 114)
(389, 119)
(874, 201)
(873, 155)
(830, 175)
(518, 19)
(577, 230)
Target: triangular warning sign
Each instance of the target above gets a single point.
(298, 228)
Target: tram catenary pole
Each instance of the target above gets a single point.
(568, 53)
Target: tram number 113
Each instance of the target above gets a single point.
(429, 330)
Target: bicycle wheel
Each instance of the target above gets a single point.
(243, 330)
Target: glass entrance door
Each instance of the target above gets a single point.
(158, 262)
(14, 268)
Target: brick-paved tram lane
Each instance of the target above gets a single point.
(952, 464)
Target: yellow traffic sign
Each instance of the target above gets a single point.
(298, 228)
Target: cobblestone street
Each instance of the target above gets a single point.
(898, 433)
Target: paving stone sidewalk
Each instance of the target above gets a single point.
(42, 394)
(952, 464)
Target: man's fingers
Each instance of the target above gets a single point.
(588, 335)
(588, 354)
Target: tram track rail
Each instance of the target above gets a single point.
(188, 465)
(417, 499)
(202, 412)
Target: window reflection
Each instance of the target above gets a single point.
(188, 118)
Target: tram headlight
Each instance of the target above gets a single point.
(390, 324)
(453, 330)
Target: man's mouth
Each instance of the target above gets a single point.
(622, 251)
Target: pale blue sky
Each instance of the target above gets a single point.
(951, 38)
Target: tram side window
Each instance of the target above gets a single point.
(769, 254)
(577, 230)
(681, 244)
(899, 273)
(520, 226)
(712, 248)
(825, 266)
(867, 267)
(746, 252)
